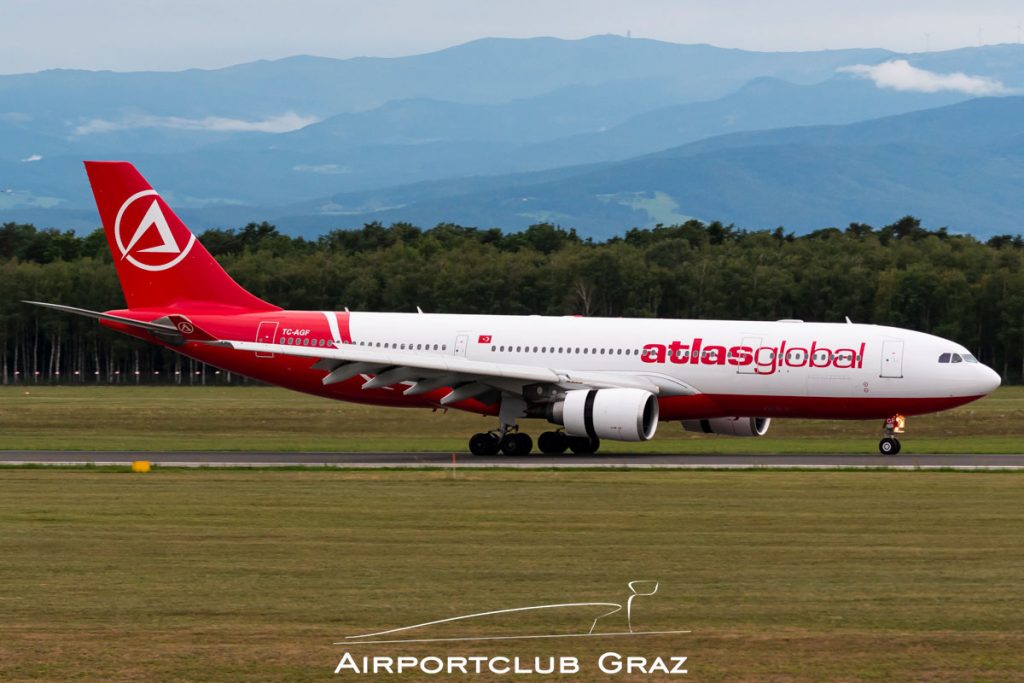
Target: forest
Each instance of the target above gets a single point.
(901, 274)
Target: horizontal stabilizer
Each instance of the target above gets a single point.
(151, 326)
(189, 330)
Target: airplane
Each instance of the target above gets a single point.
(592, 378)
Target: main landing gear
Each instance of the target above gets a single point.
(508, 440)
(484, 443)
(518, 443)
(491, 443)
(890, 445)
(556, 443)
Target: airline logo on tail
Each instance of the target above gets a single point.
(152, 242)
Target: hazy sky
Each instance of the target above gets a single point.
(129, 35)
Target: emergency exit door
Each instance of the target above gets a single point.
(892, 358)
(265, 334)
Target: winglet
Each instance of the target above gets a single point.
(189, 330)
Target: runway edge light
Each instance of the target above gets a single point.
(140, 466)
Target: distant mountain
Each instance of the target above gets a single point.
(616, 123)
(223, 136)
(233, 144)
(485, 71)
(1000, 62)
(763, 103)
(961, 166)
(415, 140)
(566, 111)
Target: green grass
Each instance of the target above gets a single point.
(257, 418)
(252, 575)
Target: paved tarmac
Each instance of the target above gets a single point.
(610, 460)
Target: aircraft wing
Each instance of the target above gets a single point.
(466, 378)
(425, 372)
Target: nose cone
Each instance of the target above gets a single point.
(989, 380)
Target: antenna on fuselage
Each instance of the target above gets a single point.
(848, 321)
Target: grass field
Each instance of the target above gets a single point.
(253, 575)
(259, 418)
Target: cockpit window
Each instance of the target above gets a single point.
(957, 358)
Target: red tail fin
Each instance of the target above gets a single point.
(159, 261)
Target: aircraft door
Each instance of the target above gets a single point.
(266, 333)
(753, 343)
(460, 345)
(892, 358)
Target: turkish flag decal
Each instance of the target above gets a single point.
(484, 339)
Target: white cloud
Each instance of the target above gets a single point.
(899, 74)
(34, 157)
(281, 123)
(328, 169)
(15, 117)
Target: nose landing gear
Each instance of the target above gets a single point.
(890, 445)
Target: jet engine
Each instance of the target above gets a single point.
(733, 426)
(616, 414)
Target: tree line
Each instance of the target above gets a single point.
(902, 274)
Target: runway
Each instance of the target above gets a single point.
(463, 460)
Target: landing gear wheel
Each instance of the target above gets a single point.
(889, 446)
(484, 444)
(584, 445)
(553, 443)
(516, 443)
